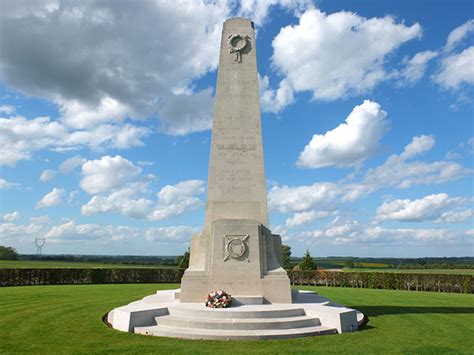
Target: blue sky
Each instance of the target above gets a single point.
(367, 114)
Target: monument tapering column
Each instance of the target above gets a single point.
(236, 251)
(236, 183)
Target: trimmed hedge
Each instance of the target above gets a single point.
(29, 277)
(382, 280)
(385, 280)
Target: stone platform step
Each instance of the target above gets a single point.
(237, 323)
(272, 312)
(243, 299)
(226, 334)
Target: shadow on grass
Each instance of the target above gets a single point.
(387, 310)
(365, 328)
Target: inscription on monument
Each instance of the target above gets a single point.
(232, 148)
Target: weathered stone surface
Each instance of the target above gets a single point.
(236, 252)
(163, 315)
(242, 260)
(236, 183)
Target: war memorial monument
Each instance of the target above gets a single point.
(236, 251)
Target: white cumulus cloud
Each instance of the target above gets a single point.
(53, 198)
(336, 55)
(174, 200)
(275, 100)
(21, 137)
(258, 10)
(418, 145)
(7, 109)
(459, 33)
(184, 113)
(11, 217)
(4, 184)
(456, 69)
(306, 217)
(127, 201)
(118, 186)
(351, 142)
(71, 230)
(455, 216)
(101, 63)
(81, 116)
(415, 67)
(70, 164)
(107, 173)
(47, 175)
(10, 232)
(299, 198)
(349, 232)
(400, 171)
(429, 207)
(170, 234)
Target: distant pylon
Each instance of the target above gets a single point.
(39, 245)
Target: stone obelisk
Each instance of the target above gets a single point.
(236, 252)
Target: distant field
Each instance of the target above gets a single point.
(326, 264)
(373, 265)
(38, 264)
(416, 271)
(67, 320)
(323, 263)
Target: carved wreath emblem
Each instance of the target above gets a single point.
(235, 246)
(237, 44)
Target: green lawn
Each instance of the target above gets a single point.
(66, 319)
(413, 271)
(40, 264)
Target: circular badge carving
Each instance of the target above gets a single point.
(236, 248)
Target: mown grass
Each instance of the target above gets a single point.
(67, 319)
(45, 264)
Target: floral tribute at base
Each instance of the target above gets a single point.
(218, 299)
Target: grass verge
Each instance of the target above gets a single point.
(67, 319)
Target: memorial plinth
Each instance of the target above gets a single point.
(236, 251)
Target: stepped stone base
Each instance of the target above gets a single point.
(248, 318)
